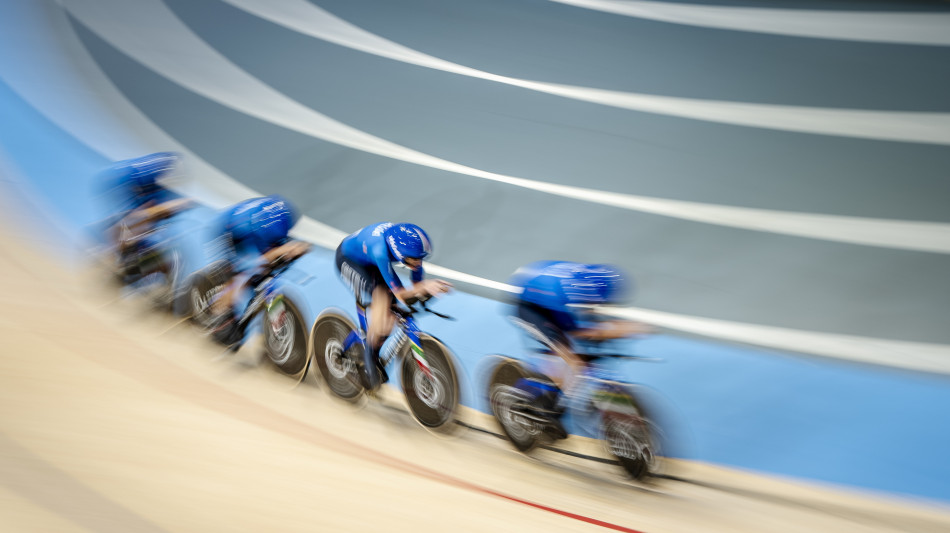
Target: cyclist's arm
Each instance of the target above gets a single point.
(394, 284)
(612, 329)
(290, 250)
(419, 288)
(150, 213)
(563, 350)
(417, 275)
(264, 264)
(425, 287)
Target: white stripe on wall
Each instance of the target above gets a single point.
(147, 31)
(880, 27)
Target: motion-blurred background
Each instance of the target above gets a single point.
(774, 176)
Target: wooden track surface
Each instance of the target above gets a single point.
(116, 417)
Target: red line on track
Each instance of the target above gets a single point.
(422, 471)
(185, 384)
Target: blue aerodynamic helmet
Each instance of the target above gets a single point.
(142, 174)
(273, 221)
(266, 221)
(408, 241)
(558, 284)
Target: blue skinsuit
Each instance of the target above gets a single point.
(368, 248)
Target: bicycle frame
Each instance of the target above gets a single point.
(406, 325)
(262, 296)
(597, 390)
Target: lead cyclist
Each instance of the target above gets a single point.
(554, 308)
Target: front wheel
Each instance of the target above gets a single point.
(510, 404)
(433, 396)
(285, 339)
(336, 366)
(630, 435)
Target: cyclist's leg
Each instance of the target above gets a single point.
(125, 244)
(381, 321)
(381, 318)
(540, 325)
(241, 269)
(365, 283)
(582, 390)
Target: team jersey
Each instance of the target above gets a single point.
(368, 248)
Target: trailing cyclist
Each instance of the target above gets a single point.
(139, 200)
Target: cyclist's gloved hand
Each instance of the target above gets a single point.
(436, 287)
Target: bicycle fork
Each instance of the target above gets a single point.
(409, 332)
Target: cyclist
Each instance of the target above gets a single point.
(364, 261)
(135, 186)
(554, 306)
(253, 237)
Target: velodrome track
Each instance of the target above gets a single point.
(116, 418)
(845, 226)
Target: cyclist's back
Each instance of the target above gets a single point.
(551, 290)
(368, 248)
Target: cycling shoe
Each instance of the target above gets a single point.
(226, 330)
(363, 379)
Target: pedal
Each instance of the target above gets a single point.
(550, 420)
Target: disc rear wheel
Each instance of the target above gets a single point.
(337, 367)
(509, 405)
